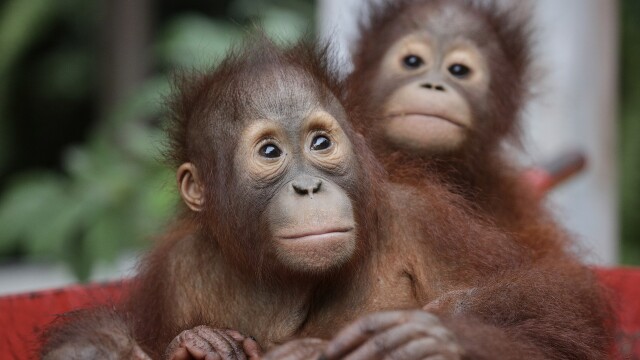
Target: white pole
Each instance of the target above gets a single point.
(576, 107)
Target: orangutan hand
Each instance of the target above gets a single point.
(398, 335)
(205, 343)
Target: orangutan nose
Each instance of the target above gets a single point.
(306, 185)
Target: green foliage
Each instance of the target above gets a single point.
(195, 41)
(107, 199)
(630, 133)
(20, 22)
(112, 191)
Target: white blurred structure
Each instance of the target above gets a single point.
(578, 47)
(29, 276)
(575, 109)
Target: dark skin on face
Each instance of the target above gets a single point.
(434, 80)
(431, 83)
(300, 167)
(292, 233)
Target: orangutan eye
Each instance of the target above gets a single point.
(412, 61)
(320, 142)
(460, 71)
(270, 151)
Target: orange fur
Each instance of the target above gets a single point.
(419, 244)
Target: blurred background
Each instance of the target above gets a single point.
(82, 183)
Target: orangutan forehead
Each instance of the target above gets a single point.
(283, 92)
(449, 20)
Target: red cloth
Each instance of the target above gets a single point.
(23, 316)
(624, 284)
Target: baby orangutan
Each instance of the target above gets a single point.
(292, 232)
(446, 81)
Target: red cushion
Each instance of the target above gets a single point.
(624, 284)
(23, 316)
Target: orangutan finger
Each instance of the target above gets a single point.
(197, 347)
(252, 349)
(235, 334)
(359, 331)
(221, 343)
(381, 344)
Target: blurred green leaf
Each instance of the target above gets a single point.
(629, 133)
(108, 233)
(55, 230)
(194, 41)
(157, 199)
(254, 9)
(148, 102)
(23, 208)
(285, 25)
(20, 22)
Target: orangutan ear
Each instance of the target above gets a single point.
(191, 187)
